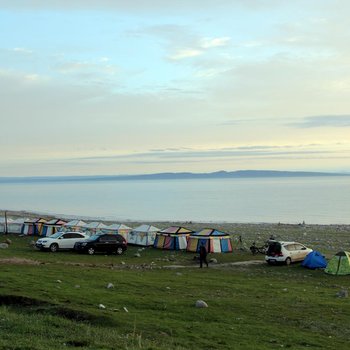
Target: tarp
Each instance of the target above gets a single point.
(215, 241)
(143, 235)
(314, 260)
(339, 264)
(172, 238)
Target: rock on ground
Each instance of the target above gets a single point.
(201, 304)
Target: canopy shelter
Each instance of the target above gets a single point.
(118, 228)
(172, 238)
(3, 224)
(74, 225)
(93, 228)
(314, 260)
(143, 235)
(215, 241)
(52, 226)
(16, 226)
(39, 224)
(339, 264)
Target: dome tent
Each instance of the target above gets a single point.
(339, 264)
(314, 260)
(172, 238)
(143, 235)
(215, 241)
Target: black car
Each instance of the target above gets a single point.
(107, 243)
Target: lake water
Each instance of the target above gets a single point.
(318, 200)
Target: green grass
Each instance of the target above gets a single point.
(250, 307)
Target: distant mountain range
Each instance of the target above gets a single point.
(172, 176)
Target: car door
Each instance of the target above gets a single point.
(76, 237)
(64, 241)
(101, 244)
(301, 252)
(290, 248)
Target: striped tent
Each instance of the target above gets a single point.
(52, 226)
(118, 228)
(39, 224)
(172, 238)
(29, 227)
(143, 235)
(74, 225)
(215, 241)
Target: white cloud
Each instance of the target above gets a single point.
(185, 53)
(207, 43)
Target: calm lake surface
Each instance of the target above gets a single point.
(317, 200)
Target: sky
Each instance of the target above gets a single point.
(92, 87)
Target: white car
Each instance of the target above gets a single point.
(286, 252)
(60, 240)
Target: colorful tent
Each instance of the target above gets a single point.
(314, 260)
(215, 241)
(52, 226)
(143, 235)
(339, 264)
(74, 225)
(172, 238)
(94, 228)
(29, 227)
(16, 226)
(33, 227)
(118, 228)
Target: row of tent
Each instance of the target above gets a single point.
(171, 238)
(339, 264)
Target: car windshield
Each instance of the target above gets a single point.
(93, 238)
(55, 235)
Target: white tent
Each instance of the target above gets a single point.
(3, 225)
(118, 228)
(16, 225)
(143, 235)
(74, 225)
(93, 228)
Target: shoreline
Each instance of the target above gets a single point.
(46, 215)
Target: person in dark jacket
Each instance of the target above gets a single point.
(202, 255)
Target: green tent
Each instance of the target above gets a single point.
(339, 264)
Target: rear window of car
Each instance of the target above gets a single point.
(108, 238)
(274, 247)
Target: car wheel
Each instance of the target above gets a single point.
(119, 251)
(54, 247)
(288, 261)
(91, 251)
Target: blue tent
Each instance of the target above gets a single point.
(314, 260)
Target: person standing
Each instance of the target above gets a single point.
(203, 255)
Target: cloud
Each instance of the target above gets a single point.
(324, 121)
(207, 43)
(185, 53)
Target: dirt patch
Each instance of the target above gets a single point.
(19, 261)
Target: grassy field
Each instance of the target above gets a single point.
(51, 301)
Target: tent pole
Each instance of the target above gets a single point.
(6, 231)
